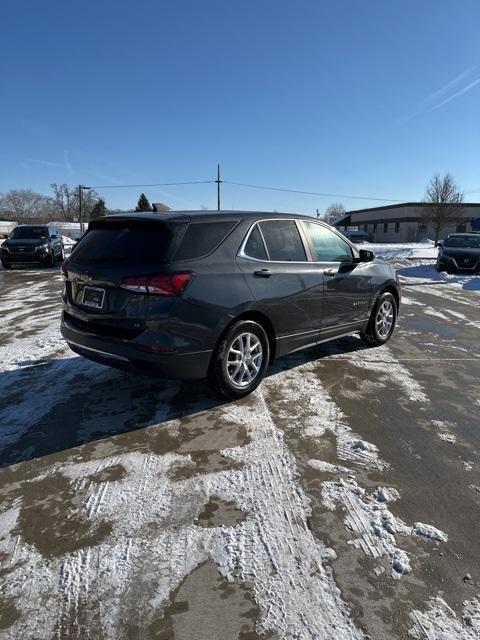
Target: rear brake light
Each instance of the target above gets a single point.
(164, 284)
(64, 272)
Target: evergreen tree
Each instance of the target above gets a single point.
(99, 209)
(143, 204)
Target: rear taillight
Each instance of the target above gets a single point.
(164, 284)
(64, 272)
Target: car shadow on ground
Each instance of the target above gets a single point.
(428, 271)
(49, 406)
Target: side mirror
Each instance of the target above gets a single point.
(365, 256)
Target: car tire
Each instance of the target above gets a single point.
(61, 255)
(6, 265)
(439, 267)
(244, 347)
(50, 259)
(382, 320)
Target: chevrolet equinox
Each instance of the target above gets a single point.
(197, 294)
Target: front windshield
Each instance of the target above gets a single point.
(29, 233)
(463, 242)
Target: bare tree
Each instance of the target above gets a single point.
(65, 202)
(24, 205)
(443, 203)
(333, 211)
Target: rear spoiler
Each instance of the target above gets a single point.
(137, 220)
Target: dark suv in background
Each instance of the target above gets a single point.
(32, 243)
(459, 252)
(219, 295)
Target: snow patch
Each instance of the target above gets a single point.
(443, 431)
(369, 517)
(384, 362)
(327, 467)
(447, 437)
(410, 301)
(300, 387)
(440, 622)
(154, 543)
(436, 314)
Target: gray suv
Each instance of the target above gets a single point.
(197, 294)
(39, 243)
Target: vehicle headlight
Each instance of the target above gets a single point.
(3, 248)
(42, 247)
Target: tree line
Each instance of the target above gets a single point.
(26, 205)
(442, 205)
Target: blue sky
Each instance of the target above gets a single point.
(364, 98)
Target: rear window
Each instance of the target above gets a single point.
(202, 237)
(130, 242)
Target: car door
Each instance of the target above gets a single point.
(346, 282)
(274, 261)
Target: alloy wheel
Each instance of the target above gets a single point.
(244, 359)
(385, 318)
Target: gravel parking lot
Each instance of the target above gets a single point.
(340, 500)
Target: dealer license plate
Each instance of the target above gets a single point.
(93, 297)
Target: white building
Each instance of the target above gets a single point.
(404, 222)
(5, 227)
(69, 229)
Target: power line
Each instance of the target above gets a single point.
(312, 193)
(158, 184)
(247, 185)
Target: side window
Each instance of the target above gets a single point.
(254, 247)
(202, 238)
(327, 245)
(283, 241)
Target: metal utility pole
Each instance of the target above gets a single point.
(80, 208)
(219, 182)
(318, 215)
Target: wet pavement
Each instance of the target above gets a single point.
(140, 508)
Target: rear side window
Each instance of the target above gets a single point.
(327, 245)
(203, 237)
(254, 247)
(129, 243)
(283, 241)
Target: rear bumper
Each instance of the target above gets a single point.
(122, 354)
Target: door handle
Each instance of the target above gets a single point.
(329, 272)
(263, 273)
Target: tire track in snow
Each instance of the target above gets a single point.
(272, 548)
(382, 360)
(440, 622)
(369, 517)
